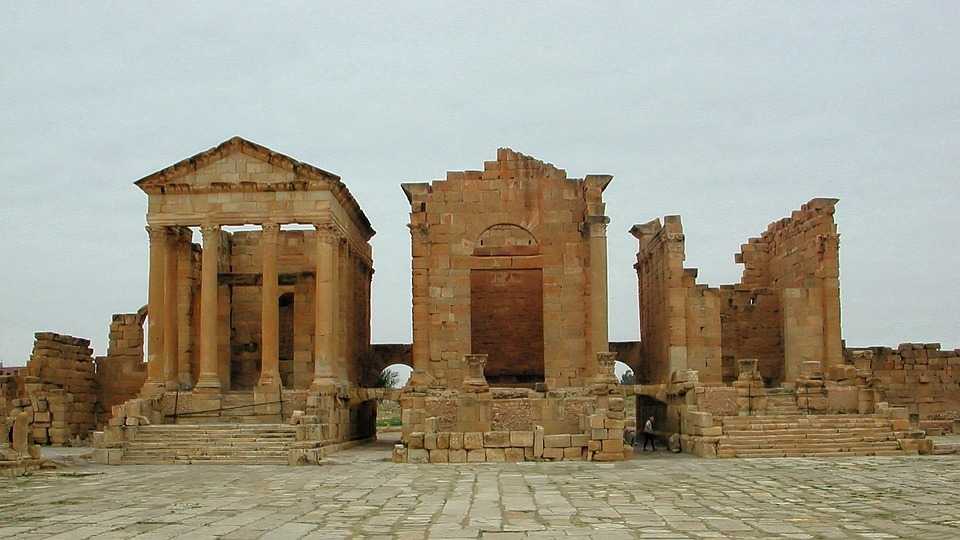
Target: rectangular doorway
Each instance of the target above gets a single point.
(506, 323)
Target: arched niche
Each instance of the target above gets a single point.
(506, 240)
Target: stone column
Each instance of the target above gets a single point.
(270, 312)
(599, 340)
(170, 296)
(326, 303)
(209, 380)
(420, 350)
(155, 371)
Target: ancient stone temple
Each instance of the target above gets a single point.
(784, 312)
(251, 325)
(759, 368)
(510, 347)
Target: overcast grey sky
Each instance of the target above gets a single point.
(729, 114)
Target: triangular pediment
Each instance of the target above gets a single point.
(234, 162)
(238, 166)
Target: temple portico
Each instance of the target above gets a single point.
(269, 312)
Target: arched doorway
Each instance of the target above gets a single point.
(389, 421)
(506, 306)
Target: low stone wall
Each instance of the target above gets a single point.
(597, 431)
(917, 376)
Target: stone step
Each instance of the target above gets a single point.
(224, 443)
(805, 445)
(204, 453)
(143, 436)
(941, 449)
(763, 453)
(824, 432)
(208, 443)
(796, 416)
(800, 419)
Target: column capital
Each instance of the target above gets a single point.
(156, 233)
(596, 226)
(208, 229)
(328, 232)
(270, 227)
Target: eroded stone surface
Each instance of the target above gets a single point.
(360, 493)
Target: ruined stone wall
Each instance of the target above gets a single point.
(517, 214)
(679, 318)
(8, 393)
(785, 311)
(60, 382)
(797, 258)
(921, 377)
(121, 373)
(751, 325)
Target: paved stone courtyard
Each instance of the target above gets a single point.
(361, 494)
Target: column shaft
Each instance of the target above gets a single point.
(170, 348)
(325, 344)
(270, 311)
(158, 245)
(209, 379)
(599, 339)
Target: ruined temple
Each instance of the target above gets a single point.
(257, 329)
(510, 346)
(249, 326)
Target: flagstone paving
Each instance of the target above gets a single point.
(361, 495)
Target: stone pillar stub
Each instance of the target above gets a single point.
(209, 380)
(474, 379)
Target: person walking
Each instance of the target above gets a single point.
(648, 435)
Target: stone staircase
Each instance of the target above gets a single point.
(211, 443)
(796, 435)
(781, 402)
(237, 408)
(941, 448)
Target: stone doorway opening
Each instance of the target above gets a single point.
(506, 324)
(389, 421)
(285, 338)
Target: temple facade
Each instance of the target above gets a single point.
(510, 346)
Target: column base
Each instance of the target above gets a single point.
(185, 381)
(325, 385)
(208, 384)
(152, 389)
(265, 398)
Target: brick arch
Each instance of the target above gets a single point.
(382, 355)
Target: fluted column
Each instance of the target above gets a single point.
(599, 340)
(170, 348)
(155, 368)
(326, 300)
(209, 380)
(270, 312)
